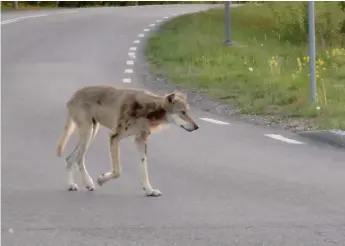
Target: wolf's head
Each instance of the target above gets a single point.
(177, 110)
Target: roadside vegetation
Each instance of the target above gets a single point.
(267, 72)
(26, 5)
(30, 5)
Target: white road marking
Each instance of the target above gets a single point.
(127, 80)
(284, 139)
(7, 21)
(174, 14)
(214, 121)
(128, 70)
(151, 25)
(136, 41)
(141, 35)
(21, 18)
(158, 21)
(133, 48)
(166, 17)
(67, 12)
(129, 62)
(35, 16)
(146, 30)
(131, 55)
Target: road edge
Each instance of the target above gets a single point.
(333, 137)
(157, 82)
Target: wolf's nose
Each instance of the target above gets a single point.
(196, 127)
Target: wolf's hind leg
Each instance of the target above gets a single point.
(78, 158)
(86, 134)
(70, 164)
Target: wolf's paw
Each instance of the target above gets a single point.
(90, 188)
(101, 179)
(89, 183)
(153, 192)
(73, 187)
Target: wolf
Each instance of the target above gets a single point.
(124, 112)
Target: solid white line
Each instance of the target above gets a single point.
(32, 16)
(151, 25)
(214, 121)
(133, 48)
(129, 70)
(284, 139)
(141, 35)
(127, 80)
(7, 21)
(131, 55)
(129, 62)
(67, 12)
(136, 41)
(146, 30)
(21, 18)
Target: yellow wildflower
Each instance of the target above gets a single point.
(319, 62)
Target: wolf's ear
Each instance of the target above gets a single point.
(170, 97)
(183, 95)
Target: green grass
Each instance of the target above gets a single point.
(259, 75)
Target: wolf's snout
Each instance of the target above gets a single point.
(190, 128)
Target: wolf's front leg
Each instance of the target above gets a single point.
(114, 148)
(141, 143)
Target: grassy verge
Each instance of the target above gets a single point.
(267, 73)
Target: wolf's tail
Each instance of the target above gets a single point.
(68, 131)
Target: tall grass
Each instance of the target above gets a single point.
(267, 73)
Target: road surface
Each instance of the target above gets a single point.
(228, 183)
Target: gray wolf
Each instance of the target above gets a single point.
(124, 112)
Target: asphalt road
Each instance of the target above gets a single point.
(225, 184)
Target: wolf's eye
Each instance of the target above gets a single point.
(183, 112)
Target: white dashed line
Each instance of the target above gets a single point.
(284, 139)
(146, 30)
(128, 70)
(129, 62)
(158, 21)
(127, 80)
(136, 41)
(141, 35)
(214, 121)
(166, 17)
(151, 25)
(131, 55)
(174, 14)
(133, 48)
